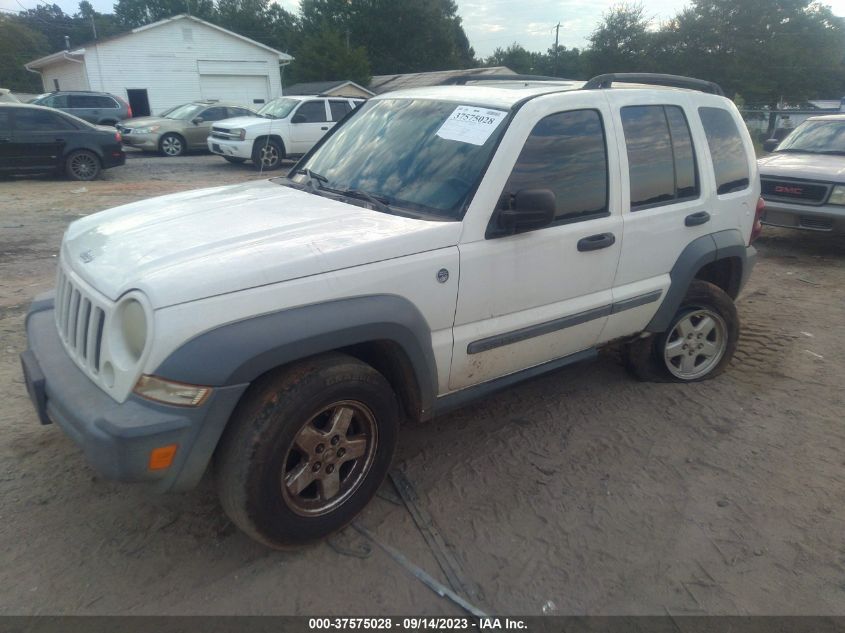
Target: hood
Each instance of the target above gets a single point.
(828, 167)
(244, 121)
(196, 244)
(144, 121)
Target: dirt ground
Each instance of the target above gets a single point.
(582, 492)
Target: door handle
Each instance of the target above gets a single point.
(324, 128)
(596, 242)
(696, 219)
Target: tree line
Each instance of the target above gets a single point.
(760, 51)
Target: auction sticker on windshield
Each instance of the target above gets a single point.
(470, 124)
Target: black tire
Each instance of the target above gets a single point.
(82, 165)
(234, 159)
(648, 359)
(259, 457)
(267, 155)
(172, 145)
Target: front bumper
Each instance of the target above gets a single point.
(827, 218)
(235, 149)
(117, 438)
(148, 142)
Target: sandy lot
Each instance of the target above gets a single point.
(579, 492)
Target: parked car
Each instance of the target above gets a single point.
(283, 328)
(100, 108)
(6, 96)
(38, 139)
(180, 129)
(284, 127)
(804, 178)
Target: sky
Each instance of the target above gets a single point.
(497, 23)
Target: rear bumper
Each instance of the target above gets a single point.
(826, 218)
(117, 437)
(114, 158)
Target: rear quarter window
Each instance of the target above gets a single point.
(730, 164)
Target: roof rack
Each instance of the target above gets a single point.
(673, 81)
(462, 80)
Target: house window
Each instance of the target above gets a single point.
(56, 84)
(187, 34)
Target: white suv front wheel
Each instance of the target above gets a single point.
(267, 155)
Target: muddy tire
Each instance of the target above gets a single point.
(306, 450)
(698, 344)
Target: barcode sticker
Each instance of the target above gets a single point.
(470, 124)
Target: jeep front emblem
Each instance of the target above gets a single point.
(442, 275)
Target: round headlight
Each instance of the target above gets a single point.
(130, 331)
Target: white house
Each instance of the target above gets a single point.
(166, 63)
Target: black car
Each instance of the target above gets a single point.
(38, 139)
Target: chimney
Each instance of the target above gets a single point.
(67, 42)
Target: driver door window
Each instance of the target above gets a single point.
(305, 133)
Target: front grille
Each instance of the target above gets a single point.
(798, 191)
(80, 321)
(819, 224)
(224, 133)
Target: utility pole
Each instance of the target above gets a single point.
(93, 26)
(557, 34)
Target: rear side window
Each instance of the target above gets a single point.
(661, 159)
(730, 163)
(40, 121)
(339, 109)
(567, 153)
(313, 111)
(217, 113)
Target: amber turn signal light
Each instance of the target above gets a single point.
(162, 457)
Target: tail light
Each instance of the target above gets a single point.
(128, 107)
(757, 227)
(118, 137)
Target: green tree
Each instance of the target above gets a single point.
(135, 13)
(324, 56)
(515, 57)
(18, 45)
(621, 42)
(764, 50)
(398, 37)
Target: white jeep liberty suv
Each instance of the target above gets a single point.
(439, 244)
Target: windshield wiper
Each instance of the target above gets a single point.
(379, 202)
(312, 177)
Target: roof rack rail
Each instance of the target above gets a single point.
(672, 81)
(462, 80)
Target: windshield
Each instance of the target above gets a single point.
(816, 137)
(405, 152)
(186, 111)
(278, 108)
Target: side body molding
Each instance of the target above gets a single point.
(697, 254)
(239, 352)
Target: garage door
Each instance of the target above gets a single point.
(247, 90)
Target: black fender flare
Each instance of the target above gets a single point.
(697, 254)
(241, 351)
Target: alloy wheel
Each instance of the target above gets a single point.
(329, 458)
(696, 344)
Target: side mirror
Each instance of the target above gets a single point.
(197, 120)
(532, 209)
(771, 144)
(298, 118)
